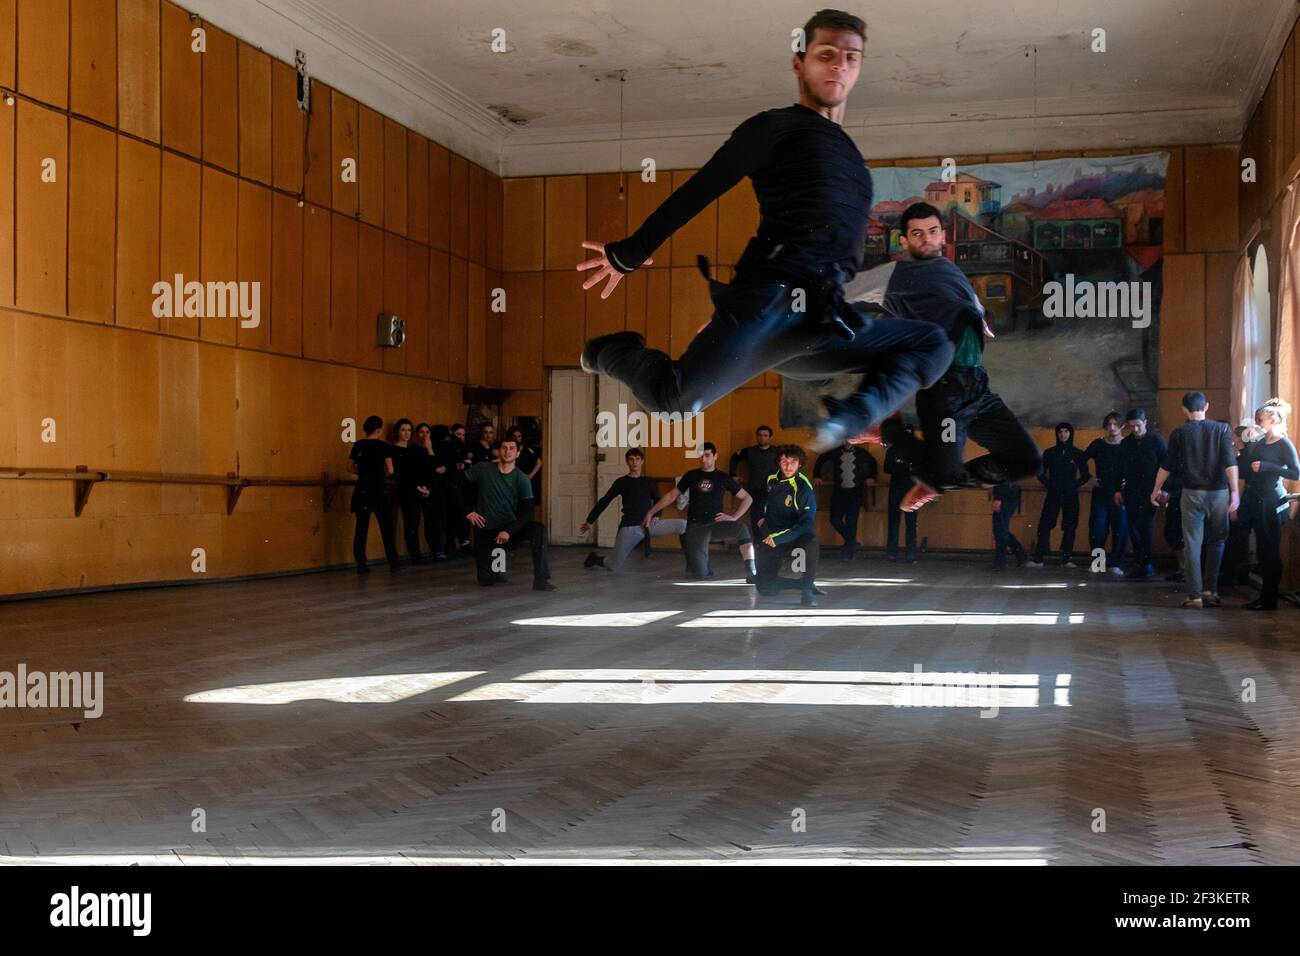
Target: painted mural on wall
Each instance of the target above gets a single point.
(1065, 255)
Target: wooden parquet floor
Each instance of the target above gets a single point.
(418, 718)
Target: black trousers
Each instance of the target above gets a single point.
(1268, 544)
(756, 327)
(411, 514)
(846, 505)
(1064, 504)
(1141, 517)
(897, 490)
(1004, 542)
(433, 510)
(1105, 518)
(755, 512)
(698, 536)
(485, 542)
(384, 516)
(768, 562)
(963, 396)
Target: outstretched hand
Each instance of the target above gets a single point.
(603, 269)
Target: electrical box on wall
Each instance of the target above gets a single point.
(391, 330)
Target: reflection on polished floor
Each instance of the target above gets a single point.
(929, 713)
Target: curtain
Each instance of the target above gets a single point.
(1247, 389)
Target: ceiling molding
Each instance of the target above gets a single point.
(348, 60)
(1262, 72)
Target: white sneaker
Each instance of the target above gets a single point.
(1033, 564)
(1118, 572)
(1068, 564)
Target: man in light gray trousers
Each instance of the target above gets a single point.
(639, 494)
(1202, 455)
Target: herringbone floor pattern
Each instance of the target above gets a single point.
(418, 718)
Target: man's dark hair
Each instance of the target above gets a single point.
(918, 210)
(791, 451)
(709, 446)
(763, 428)
(637, 452)
(833, 21)
(1136, 415)
(373, 423)
(1195, 401)
(1115, 415)
(457, 426)
(501, 441)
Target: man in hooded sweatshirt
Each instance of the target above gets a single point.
(1140, 456)
(930, 287)
(1063, 472)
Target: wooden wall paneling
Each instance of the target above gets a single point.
(417, 304)
(370, 295)
(457, 205)
(43, 33)
(346, 136)
(562, 326)
(182, 193)
(286, 129)
(1182, 323)
(316, 282)
(394, 300)
(477, 214)
(700, 235)
(92, 208)
(439, 314)
(1287, 65)
(566, 221)
(139, 199)
(93, 65)
(458, 320)
(1211, 198)
(634, 290)
(254, 265)
(495, 205)
(691, 307)
(737, 221)
(476, 302)
(417, 187)
(319, 174)
(439, 196)
(521, 331)
(218, 244)
(139, 68)
(254, 114)
(8, 44)
(182, 83)
(41, 210)
(370, 165)
(1278, 161)
(494, 329)
(1175, 230)
(221, 99)
(395, 173)
(523, 239)
(606, 209)
(178, 411)
(659, 309)
(343, 283)
(286, 275)
(1219, 269)
(602, 315)
(8, 182)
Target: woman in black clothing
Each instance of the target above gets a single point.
(449, 445)
(409, 489)
(1268, 462)
(371, 460)
(433, 502)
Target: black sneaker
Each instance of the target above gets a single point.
(1176, 576)
(499, 578)
(593, 559)
(363, 569)
(591, 351)
(544, 586)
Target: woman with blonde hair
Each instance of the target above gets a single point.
(1266, 463)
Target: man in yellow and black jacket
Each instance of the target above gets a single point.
(788, 528)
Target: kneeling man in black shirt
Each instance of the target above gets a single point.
(705, 520)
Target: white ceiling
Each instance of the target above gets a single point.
(939, 77)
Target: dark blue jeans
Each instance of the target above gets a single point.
(1105, 518)
(756, 328)
(1064, 504)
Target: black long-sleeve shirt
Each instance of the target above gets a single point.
(1140, 459)
(1106, 457)
(813, 189)
(1277, 462)
(1200, 452)
(763, 463)
(639, 496)
(899, 469)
